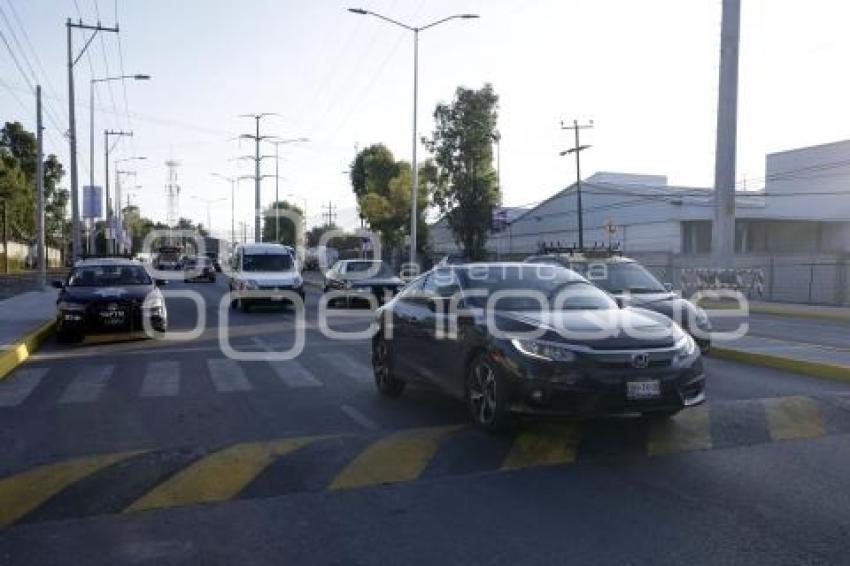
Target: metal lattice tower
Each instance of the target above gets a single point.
(172, 194)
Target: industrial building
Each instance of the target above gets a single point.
(795, 230)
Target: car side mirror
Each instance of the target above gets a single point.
(160, 282)
(668, 287)
(57, 284)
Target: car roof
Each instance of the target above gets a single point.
(265, 248)
(103, 261)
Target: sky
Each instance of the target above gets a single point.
(645, 72)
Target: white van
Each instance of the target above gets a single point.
(263, 267)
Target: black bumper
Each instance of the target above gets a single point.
(593, 391)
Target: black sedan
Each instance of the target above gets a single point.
(108, 295)
(359, 281)
(533, 339)
(198, 269)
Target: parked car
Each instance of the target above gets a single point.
(108, 295)
(198, 269)
(632, 283)
(269, 268)
(359, 279)
(580, 362)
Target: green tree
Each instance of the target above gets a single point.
(466, 190)
(383, 189)
(288, 229)
(18, 151)
(314, 234)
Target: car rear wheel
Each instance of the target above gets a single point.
(486, 396)
(385, 380)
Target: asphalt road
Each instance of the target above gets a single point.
(822, 332)
(168, 452)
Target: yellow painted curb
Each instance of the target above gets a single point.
(18, 352)
(778, 310)
(818, 369)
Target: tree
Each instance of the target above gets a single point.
(466, 190)
(18, 151)
(383, 189)
(288, 227)
(314, 235)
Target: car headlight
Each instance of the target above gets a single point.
(685, 347)
(71, 307)
(540, 350)
(250, 285)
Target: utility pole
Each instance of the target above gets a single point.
(109, 226)
(5, 236)
(72, 124)
(723, 230)
(39, 189)
(577, 149)
(258, 213)
(329, 217)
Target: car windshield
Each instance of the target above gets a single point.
(524, 285)
(267, 262)
(369, 269)
(108, 275)
(622, 277)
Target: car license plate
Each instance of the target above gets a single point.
(648, 389)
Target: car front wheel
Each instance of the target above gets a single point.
(486, 396)
(385, 380)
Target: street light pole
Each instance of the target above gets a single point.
(232, 182)
(414, 166)
(277, 143)
(106, 134)
(72, 125)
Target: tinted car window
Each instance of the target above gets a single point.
(527, 280)
(266, 262)
(108, 275)
(622, 277)
(368, 268)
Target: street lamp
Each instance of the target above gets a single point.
(232, 181)
(415, 30)
(277, 143)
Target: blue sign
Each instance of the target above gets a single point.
(92, 202)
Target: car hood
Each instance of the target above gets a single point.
(273, 277)
(603, 329)
(87, 294)
(668, 304)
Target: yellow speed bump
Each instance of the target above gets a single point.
(689, 430)
(400, 457)
(219, 476)
(792, 417)
(545, 444)
(24, 492)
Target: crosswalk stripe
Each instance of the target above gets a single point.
(162, 379)
(88, 385)
(15, 389)
(227, 375)
(689, 430)
(792, 417)
(293, 374)
(24, 492)
(349, 367)
(400, 457)
(545, 444)
(219, 476)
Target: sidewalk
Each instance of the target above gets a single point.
(25, 322)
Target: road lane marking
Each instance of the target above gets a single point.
(290, 372)
(350, 367)
(22, 493)
(792, 417)
(689, 430)
(396, 458)
(219, 476)
(162, 379)
(88, 385)
(16, 388)
(359, 417)
(227, 376)
(544, 444)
